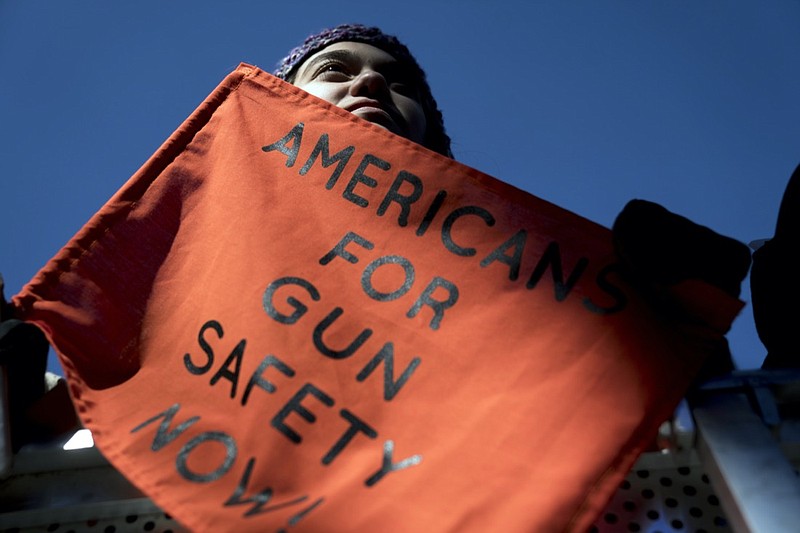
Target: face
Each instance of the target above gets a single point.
(367, 82)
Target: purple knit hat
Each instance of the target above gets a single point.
(435, 137)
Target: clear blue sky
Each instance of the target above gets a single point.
(695, 105)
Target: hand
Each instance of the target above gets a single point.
(774, 286)
(662, 248)
(661, 251)
(23, 356)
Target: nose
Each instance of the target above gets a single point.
(369, 83)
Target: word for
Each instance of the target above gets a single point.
(447, 291)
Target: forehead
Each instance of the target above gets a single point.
(362, 53)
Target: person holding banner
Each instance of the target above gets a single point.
(374, 77)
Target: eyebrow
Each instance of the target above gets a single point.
(392, 69)
(344, 56)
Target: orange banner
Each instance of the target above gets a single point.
(292, 320)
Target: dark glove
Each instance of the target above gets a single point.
(23, 355)
(774, 286)
(660, 250)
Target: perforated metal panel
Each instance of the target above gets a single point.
(77, 491)
(664, 493)
(156, 522)
(49, 489)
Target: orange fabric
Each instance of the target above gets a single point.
(291, 319)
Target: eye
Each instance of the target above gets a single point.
(402, 81)
(404, 88)
(332, 71)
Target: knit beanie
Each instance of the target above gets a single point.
(435, 137)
